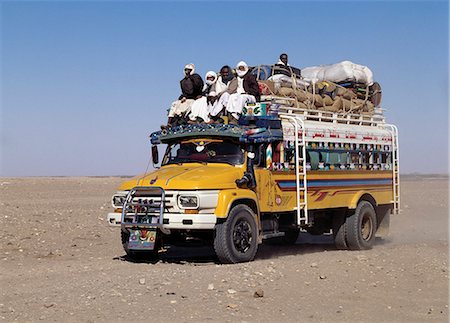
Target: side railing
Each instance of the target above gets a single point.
(334, 117)
(395, 167)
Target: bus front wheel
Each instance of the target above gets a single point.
(236, 239)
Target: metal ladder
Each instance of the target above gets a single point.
(302, 201)
(395, 168)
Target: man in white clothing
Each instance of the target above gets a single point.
(191, 89)
(225, 85)
(247, 92)
(200, 108)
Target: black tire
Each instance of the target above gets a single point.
(236, 239)
(361, 226)
(339, 231)
(290, 236)
(315, 231)
(136, 254)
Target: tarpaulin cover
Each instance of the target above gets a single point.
(343, 71)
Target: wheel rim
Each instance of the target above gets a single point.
(242, 235)
(366, 227)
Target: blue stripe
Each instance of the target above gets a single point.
(347, 182)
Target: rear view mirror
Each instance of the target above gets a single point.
(155, 156)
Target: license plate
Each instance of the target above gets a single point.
(142, 239)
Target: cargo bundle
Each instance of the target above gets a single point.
(344, 87)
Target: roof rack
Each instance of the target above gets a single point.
(333, 117)
(287, 106)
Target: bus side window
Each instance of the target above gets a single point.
(334, 158)
(323, 157)
(289, 154)
(260, 156)
(277, 151)
(314, 158)
(258, 159)
(364, 158)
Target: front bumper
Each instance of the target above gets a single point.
(114, 219)
(176, 221)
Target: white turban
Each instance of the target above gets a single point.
(238, 71)
(209, 74)
(190, 66)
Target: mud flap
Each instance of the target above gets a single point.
(384, 220)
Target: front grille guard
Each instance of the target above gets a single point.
(144, 206)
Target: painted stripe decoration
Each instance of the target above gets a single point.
(286, 184)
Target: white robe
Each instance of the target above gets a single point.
(219, 104)
(179, 108)
(200, 109)
(237, 102)
(220, 86)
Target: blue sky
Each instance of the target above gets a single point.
(84, 83)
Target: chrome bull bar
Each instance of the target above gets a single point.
(144, 207)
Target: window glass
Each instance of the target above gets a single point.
(314, 158)
(204, 151)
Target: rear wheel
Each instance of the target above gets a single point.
(236, 239)
(361, 226)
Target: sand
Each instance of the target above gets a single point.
(61, 261)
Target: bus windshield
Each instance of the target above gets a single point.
(204, 152)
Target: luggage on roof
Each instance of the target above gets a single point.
(343, 87)
(339, 72)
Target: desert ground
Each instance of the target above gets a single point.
(60, 261)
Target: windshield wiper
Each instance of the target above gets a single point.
(192, 161)
(222, 162)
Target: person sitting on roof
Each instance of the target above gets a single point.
(200, 108)
(247, 92)
(283, 61)
(225, 85)
(282, 66)
(191, 89)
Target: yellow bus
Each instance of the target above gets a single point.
(269, 177)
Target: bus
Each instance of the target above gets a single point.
(270, 177)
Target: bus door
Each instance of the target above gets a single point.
(265, 187)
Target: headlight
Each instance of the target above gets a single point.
(188, 201)
(118, 199)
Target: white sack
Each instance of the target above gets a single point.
(286, 81)
(343, 71)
